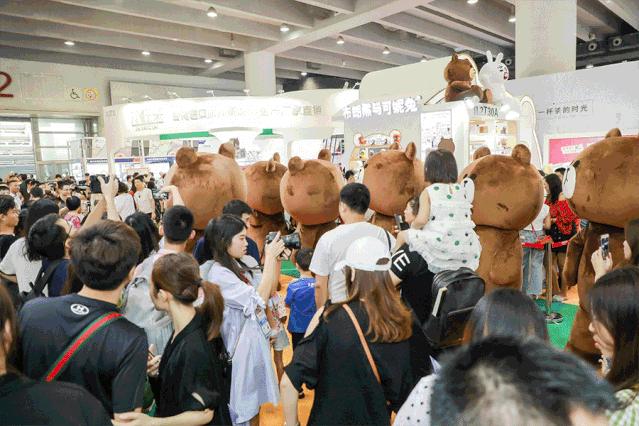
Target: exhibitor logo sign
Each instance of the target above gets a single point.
(381, 108)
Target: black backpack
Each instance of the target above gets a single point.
(42, 280)
(455, 294)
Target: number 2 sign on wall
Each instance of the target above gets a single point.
(4, 84)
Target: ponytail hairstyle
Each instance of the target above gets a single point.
(179, 274)
(220, 233)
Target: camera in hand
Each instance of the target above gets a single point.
(291, 241)
(94, 184)
(399, 221)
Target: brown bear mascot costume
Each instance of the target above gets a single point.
(393, 178)
(509, 194)
(310, 194)
(459, 73)
(207, 182)
(601, 185)
(263, 183)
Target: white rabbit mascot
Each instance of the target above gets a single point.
(492, 76)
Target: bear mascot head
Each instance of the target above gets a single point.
(207, 182)
(601, 187)
(310, 194)
(393, 177)
(263, 184)
(509, 194)
(459, 73)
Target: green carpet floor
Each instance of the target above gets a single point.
(559, 333)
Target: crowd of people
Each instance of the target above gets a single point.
(140, 320)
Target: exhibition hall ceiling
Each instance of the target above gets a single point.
(337, 38)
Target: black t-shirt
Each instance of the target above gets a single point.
(189, 365)
(5, 243)
(416, 288)
(111, 365)
(417, 280)
(332, 361)
(27, 402)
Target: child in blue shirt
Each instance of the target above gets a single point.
(300, 297)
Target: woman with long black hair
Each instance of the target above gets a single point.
(245, 329)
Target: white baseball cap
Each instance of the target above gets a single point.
(364, 253)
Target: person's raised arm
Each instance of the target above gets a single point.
(176, 198)
(321, 290)
(109, 191)
(270, 275)
(96, 214)
(424, 211)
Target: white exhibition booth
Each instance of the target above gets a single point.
(406, 104)
(146, 135)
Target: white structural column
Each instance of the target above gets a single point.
(545, 37)
(259, 73)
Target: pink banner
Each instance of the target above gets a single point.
(565, 150)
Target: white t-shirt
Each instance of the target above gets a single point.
(124, 205)
(15, 262)
(538, 223)
(18, 200)
(331, 248)
(144, 200)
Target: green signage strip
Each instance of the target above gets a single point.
(187, 135)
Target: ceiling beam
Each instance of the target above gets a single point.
(55, 45)
(106, 38)
(361, 51)
(174, 14)
(223, 66)
(271, 11)
(292, 64)
(365, 12)
(89, 18)
(594, 14)
(321, 57)
(339, 6)
(375, 35)
(439, 33)
(461, 26)
(485, 15)
(624, 9)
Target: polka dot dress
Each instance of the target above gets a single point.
(448, 241)
(416, 409)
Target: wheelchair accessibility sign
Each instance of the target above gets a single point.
(82, 94)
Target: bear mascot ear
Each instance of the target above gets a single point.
(295, 164)
(521, 153)
(447, 144)
(228, 150)
(411, 151)
(480, 152)
(277, 158)
(324, 154)
(271, 166)
(185, 157)
(614, 133)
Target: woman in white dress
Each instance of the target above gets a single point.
(443, 231)
(245, 329)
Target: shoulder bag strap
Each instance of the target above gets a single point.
(44, 276)
(362, 340)
(237, 341)
(390, 246)
(61, 363)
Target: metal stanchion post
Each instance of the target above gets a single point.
(551, 317)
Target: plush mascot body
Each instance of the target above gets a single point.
(207, 182)
(393, 178)
(601, 186)
(459, 73)
(310, 194)
(508, 196)
(263, 182)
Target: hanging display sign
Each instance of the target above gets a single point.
(178, 115)
(97, 161)
(156, 160)
(381, 108)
